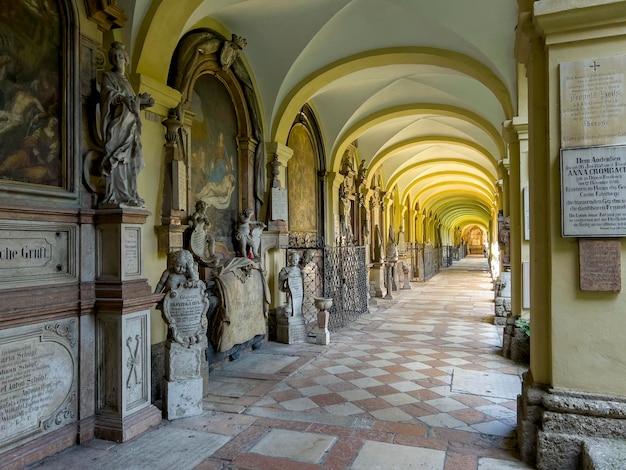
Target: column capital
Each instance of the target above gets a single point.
(279, 150)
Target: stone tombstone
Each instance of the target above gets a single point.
(185, 309)
(38, 380)
(290, 278)
(593, 103)
(600, 265)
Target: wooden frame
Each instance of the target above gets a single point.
(39, 86)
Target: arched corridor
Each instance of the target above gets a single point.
(419, 382)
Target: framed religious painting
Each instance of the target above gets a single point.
(38, 99)
(214, 160)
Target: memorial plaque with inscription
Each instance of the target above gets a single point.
(38, 370)
(600, 265)
(36, 253)
(593, 192)
(185, 309)
(280, 208)
(593, 102)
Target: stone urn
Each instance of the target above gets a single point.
(322, 304)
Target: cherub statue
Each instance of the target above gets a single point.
(181, 271)
(248, 234)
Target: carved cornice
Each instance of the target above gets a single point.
(107, 14)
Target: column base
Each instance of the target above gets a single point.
(557, 429)
(113, 428)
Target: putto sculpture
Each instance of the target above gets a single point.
(185, 304)
(248, 235)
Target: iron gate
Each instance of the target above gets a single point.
(345, 281)
(336, 272)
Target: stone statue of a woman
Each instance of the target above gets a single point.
(121, 132)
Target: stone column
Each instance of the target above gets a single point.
(123, 302)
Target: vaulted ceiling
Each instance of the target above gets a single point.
(423, 86)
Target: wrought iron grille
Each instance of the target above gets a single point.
(345, 281)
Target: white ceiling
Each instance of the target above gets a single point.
(423, 85)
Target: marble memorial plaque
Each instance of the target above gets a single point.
(593, 192)
(280, 209)
(36, 253)
(185, 311)
(600, 265)
(244, 295)
(132, 250)
(593, 102)
(38, 370)
(296, 290)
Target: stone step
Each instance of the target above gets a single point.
(603, 454)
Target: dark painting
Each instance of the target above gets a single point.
(214, 167)
(30, 90)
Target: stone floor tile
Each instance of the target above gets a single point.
(300, 446)
(299, 404)
(383, 456)
(446, 404)
(457, 461)
(442, 420)
(344, 409)
(391, 414)
(494, 427)
(356, 394)
(406, 386)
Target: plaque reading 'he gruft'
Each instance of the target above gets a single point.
(593, 103)
(593, 192)
(600, 265)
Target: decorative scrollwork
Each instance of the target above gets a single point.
(65, 330)
(62, 415)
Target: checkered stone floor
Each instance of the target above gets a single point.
(397, 363)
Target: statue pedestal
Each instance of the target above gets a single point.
(183, 384)
(378, 278)
(290, 329)
(123, 302)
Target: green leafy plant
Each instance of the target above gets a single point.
(524, 325)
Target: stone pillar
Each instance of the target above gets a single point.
(123, 302)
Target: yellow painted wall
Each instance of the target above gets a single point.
(586, 328)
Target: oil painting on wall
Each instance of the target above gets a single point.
(214, 164)
(302, 174)
(30, 92)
